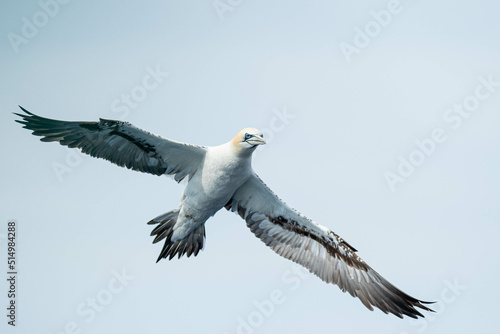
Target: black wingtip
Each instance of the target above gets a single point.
(425, 307)
(22, 121)
(415, 314)
(426, 302)
(26, 111)
(26, 114)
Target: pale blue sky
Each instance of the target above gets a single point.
(348, 124)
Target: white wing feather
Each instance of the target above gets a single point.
(315, 247)
(121, 143)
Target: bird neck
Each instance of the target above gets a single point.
(234, 150)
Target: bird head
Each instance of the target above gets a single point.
(248, 139)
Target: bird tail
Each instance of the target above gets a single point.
(191, 244)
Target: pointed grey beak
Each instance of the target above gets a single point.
(256, 140)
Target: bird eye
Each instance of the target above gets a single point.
(261, 136)
(247, 136)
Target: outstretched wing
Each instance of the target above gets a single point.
(315, 247)
(121, 143)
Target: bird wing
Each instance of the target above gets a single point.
(315, 247)
(121, 143)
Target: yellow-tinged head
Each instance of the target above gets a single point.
(248, 139)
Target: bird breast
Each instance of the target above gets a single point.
(215, 182)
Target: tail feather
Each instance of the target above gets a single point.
(190, 245)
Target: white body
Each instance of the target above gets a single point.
(223, 170)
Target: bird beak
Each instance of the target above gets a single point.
(256, 140)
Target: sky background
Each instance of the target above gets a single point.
(337, 124)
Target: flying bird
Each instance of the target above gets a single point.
(222, 176)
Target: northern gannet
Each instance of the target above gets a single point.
(222, 176)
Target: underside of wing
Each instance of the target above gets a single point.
(320, 250)
(121, 143)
